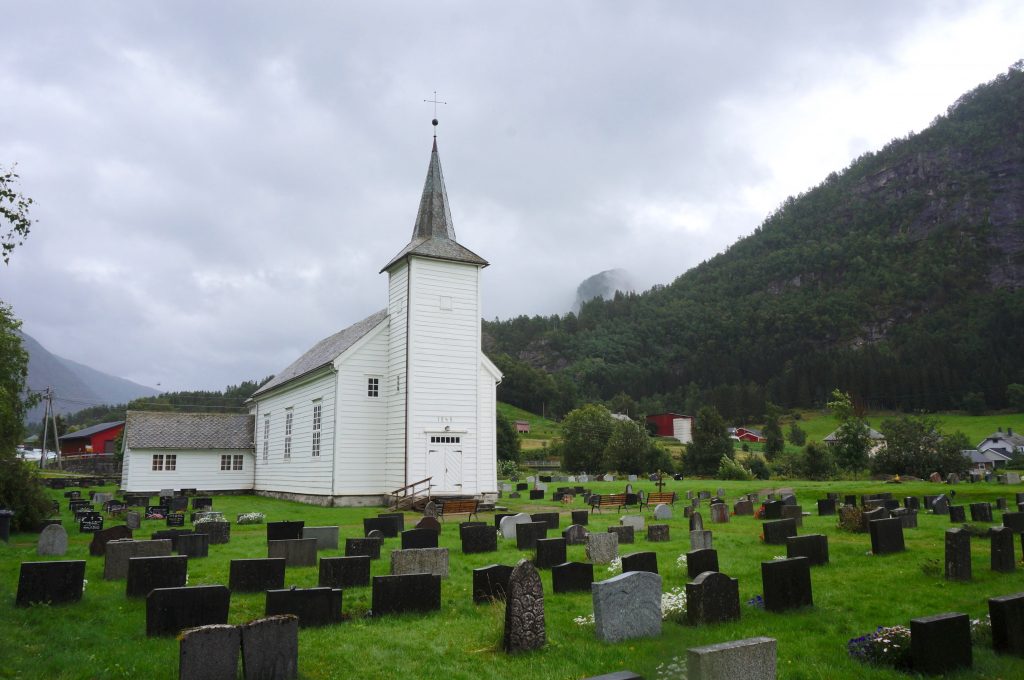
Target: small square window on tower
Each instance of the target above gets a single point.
(446, 303)
(373, 387)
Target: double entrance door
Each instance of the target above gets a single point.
(444, 463)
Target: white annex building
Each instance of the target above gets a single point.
(398, 397)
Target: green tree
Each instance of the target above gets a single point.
(627, 447)
(796, 434)
(974, 403)
(585, 434)
(818, 462)
(774, 443)
(853, 440)
(710, 442)
(508, 438)
(1015, 396)
(14, 211)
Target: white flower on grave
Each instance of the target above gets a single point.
(673, 603)
(681, 561)
(780, 557)
(615, 566)
(85, 582)
(587, 620)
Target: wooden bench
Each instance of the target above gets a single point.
(607, 500)
(659, 497)
(457, 506)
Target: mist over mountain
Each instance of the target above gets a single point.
(603, 285)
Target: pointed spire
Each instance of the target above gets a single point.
(434, 219)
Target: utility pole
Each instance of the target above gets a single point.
(49, 417)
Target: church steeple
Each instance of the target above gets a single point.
(433, 235)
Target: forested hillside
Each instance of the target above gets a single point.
(899, 280)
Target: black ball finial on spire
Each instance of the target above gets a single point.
(434, 122)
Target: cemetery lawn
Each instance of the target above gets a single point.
(103, 636)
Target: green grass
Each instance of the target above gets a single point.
(103, 636)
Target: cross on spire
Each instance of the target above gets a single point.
(435, 101)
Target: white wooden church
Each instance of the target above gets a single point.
(398, 397)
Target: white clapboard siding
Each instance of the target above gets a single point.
(396, 383)
(301, 473)
(361, 432)
(487, 453)
(194, 470)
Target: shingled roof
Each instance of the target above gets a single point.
(325, 351)
(163, 430)
(434, 234)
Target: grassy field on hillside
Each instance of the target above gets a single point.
(103, 636)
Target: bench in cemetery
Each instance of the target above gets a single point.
(659, 497)
(607, 500)
(457, 506)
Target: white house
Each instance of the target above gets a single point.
(403, 395)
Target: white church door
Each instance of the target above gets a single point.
(444, 463)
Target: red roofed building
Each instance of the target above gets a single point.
(96, 439)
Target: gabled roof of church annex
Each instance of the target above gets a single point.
(325, 351)
(172, 430)
(434, 235)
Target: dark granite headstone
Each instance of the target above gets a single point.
(912, 503)
(170, 610)
(849, 500)
(297, 552)
(194, 545)
(786, 584)
(581, 517)
(640, 561)
(218, 531)
(175, 519)
(1003, 559)
(527, 534)
(406, 593)
(50, 582)
(524, 610)
(479, 539)
(812, 546)
(699, 561)
(522, 486)
(551, 518)
(420, 538)
(430, 523)
(1001, 504)
(570, 577)
(384, 525)
(773, 509)
(536, 494)
(149, 573)
(170, 535)
(397, 518)
(179, 504)
(363, 546)
(344, 572)
(89, 522)
(657, 533)
(981, 512)
(712, 598)
(200, 502)
(826, 506)
(626, 533)
(98, 547)
(886, 536)
(957, 514)
(491, 582)
(743, 507)
(777, 531)
(940, 505)
(313, 606)
(284, 531)
(467, 525)
(270, 648)
(793, 512)
(941, 644)
(1014, 521)
(550, 551)
(874, 515)
(1007, 616)
(256, 575)
(958, 555)
(156, 512)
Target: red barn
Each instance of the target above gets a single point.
(745, 434)
(96, 439)
(665, 424)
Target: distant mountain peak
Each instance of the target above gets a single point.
(603, 285)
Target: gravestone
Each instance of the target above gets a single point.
(749, 659)
(478, 539)
(202, 502)
(270, 648)
(580, 517)
(625, 533)
(940, 505)
(940, 644)
(812, 546)
(312, 606)
(170, 610)
(826, 507)
(429, 524)
(571, 577)
(1001, 504)
(701, 540)
(777, 531)
(326, 537)
(522, 486)
(498, 516)
(907, 517)
(1013, 478)
(957, 515)
(657, 533)
(786, 584)
(175, 519)
(719, 513)
(640, 561)
(209, 652)
(98, 546)
(508, 524)
(550, 551)
(344, 572)
(194, 545)
(602, 548)
(397, 519)
(712, 598)
(527, 534)
(696, 522)
(1007, 616)
(627, 606)
(89, 522)
(912, 503)
(981, 512)
(53, 541)
(929, 501)
(284, 531)
(1002, 550)
(874, 515)
(156, 512)
(218, 531)
(662, 512)
(469, 525)
(430, 509)
(490, 582)
(743, 508)
(773, 509)
(256, 575)
(549, 518)
(699, 561)
(50, 582)
(363, 546)
(536, 494)
(524, 610)
(958, 555)
(886, 536)
(420, 561)
(178, 504)
(575, 535)
(170, 535)
(634, 521)
(1014, 521)
(419, 538)
(149, 573)
(795, 513)
(849, 500)
(297, 552)
(382, 524)
(115, 562)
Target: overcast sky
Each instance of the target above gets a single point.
(217, 184)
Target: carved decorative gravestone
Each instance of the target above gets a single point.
(602, 548)
(627, 606)
(524, 610)
(256, 575)
(958, 555)
(657, 533)
(940, 644)
(53, 541)
(713, 597)
(344, 572)
(490, 582)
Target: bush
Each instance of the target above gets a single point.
(22, 492)
(885, 647)
(508, 469)
(758, 467)
(730, 469)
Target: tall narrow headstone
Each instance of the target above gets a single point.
(958, 555)
(1003, 559)
(1007, 616)
(524, 610)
